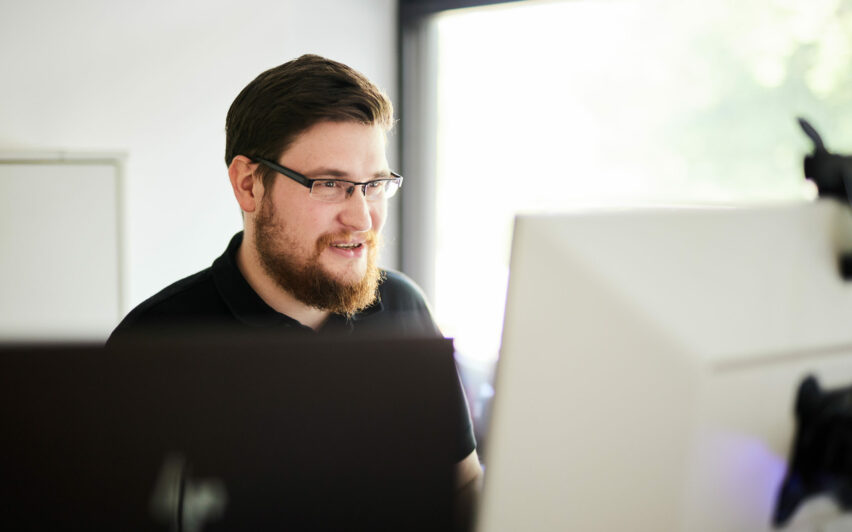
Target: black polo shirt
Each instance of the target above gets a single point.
(220, 299)
(220, 296)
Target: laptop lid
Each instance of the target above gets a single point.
(223, 434)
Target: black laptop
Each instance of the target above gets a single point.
(229, 434)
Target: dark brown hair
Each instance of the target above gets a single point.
(271, 111)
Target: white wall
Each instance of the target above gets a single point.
(154, 80)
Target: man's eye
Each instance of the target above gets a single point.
(379, 183)
(331, 184)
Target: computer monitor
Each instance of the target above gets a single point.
(229, 433)
(650, 361)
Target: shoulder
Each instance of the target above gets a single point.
(189, 295)
(187, 300)
(398, 291)
(402, 309)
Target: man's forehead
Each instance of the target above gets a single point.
(338, 148)
(326, 125)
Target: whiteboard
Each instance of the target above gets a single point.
(60, 259)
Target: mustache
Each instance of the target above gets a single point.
(370, 238)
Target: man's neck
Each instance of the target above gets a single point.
(273, 295)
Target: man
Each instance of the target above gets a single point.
(305, 149)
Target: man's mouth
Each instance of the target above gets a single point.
(347, 244)
(351, 245)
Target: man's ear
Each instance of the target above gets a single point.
(247, 188)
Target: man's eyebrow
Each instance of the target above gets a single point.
(326, 172)
(340, 174)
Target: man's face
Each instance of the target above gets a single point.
(325, 253)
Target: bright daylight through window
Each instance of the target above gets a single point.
(553, 106)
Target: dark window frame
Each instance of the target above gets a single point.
(415, 98)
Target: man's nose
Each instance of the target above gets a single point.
(356, 211)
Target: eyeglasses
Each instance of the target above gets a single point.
(334, 190)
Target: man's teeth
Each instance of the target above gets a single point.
(347, 246)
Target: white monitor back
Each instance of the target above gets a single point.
(650, 361)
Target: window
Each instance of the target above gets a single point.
(552, 106)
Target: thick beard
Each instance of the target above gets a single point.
(306, 280)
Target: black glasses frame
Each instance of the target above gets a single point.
(308, 182)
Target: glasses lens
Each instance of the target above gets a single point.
(330, 190)
(375, 190)
(383, 188)
(333, 190)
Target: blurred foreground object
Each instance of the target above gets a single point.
(648, 360)
(227, 433)
(821, 456)
(832, 175)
